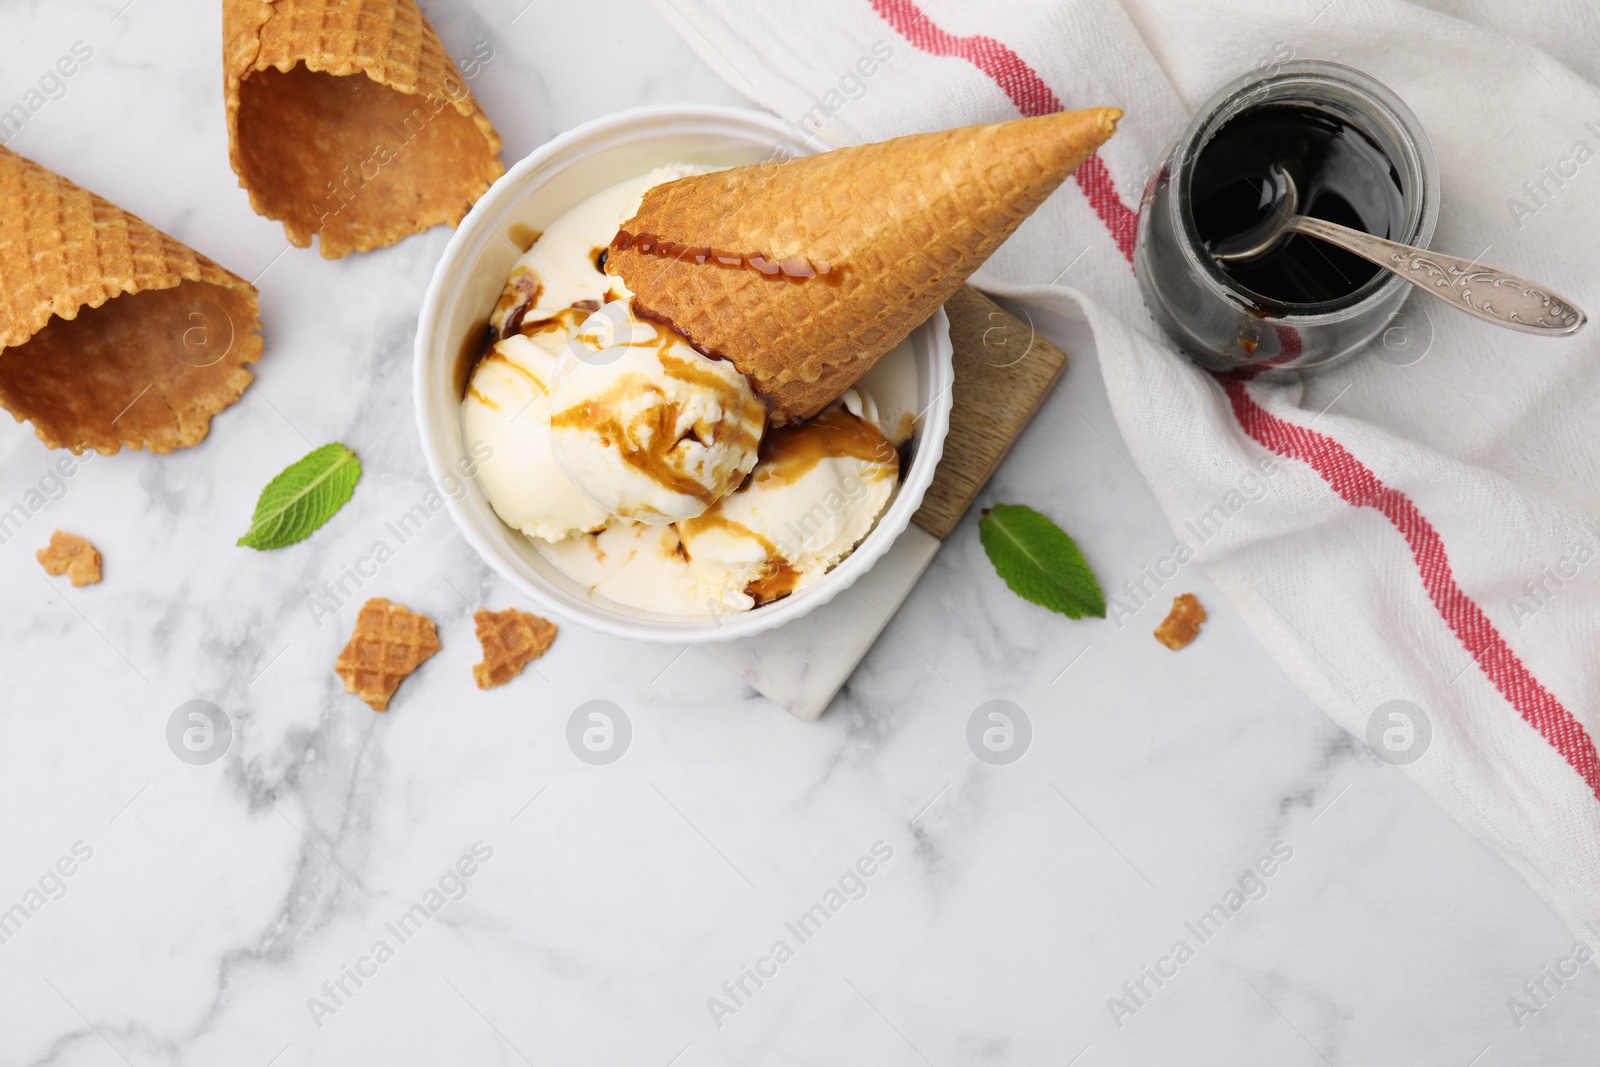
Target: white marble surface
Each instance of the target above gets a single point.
(218, 899)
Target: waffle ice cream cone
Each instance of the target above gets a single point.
(887, 232)
(112, 334)
(511, 639)
(389, 643)
(347, 119)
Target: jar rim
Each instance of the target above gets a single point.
(1351, 96)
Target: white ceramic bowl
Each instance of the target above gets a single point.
(554, 178)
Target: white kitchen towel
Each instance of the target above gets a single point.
(1422, 525)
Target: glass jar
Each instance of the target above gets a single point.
(1225, 326)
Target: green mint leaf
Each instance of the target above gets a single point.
(1040, 562)
(304, 496)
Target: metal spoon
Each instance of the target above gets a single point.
(1493, 295)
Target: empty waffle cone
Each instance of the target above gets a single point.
(890, 231)
(347, 119)
(112, 334)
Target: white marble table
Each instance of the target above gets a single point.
(615, 902)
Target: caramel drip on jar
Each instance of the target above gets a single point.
(788, 268)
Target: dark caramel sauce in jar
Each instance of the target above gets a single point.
(1342, 176)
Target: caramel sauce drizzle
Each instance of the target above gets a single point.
(714, 519)
(789, 453)
(775, 582)
(659, 458)
(646, 315)
(777, 578)
(523, 236)
(568, 319)
(789, 268)
(655, 454)
(786, 455)
(478, 341)
(521, 292)
(539, 385)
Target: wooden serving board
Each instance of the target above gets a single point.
(1003, 372)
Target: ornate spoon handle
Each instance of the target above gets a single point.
(1496, 296)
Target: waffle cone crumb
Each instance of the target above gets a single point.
(389, 643)
(348, 120)
(1182, 624)
(73, 556)
(511, 639)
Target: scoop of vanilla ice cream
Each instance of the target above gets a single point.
(815, 494)
(554, 287)
(647, 427)
(642, 566)
(507, 408)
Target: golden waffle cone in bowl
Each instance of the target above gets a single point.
(891, 229)
(346, 118)
(111, 332)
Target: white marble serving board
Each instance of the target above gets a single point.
(216, 901)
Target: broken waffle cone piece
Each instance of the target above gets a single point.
(347, 119)
(511, 639)
(112, 334)
(73, 556)
(803, 272)
(389, 643)
(1182, 624)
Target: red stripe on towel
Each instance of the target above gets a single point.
(1359, 486)
(1347, 475)
(1027, 91)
